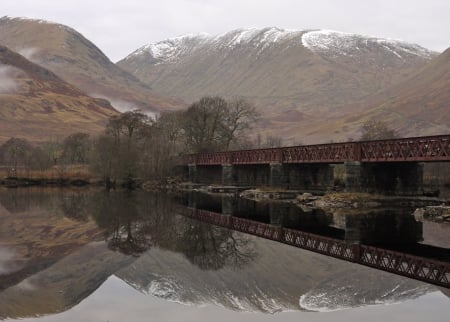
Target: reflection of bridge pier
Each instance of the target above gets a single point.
(385, 166)
(379, 227)
(372, 227)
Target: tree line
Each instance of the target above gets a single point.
(135, 145)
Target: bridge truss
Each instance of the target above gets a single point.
(420, 268)
(416, 149)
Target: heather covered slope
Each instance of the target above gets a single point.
(78, 61)
(417, 106)
(37, 105)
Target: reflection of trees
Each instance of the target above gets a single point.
(134, 221)
(71, 203)
(212, 247)
(124, 225)
(74, 205)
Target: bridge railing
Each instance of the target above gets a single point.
(431, 148)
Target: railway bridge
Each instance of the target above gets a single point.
(393, 166)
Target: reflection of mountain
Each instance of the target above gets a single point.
(179, 259)
(37, 229)
(342, 292)
(277, 278)
(64, 284)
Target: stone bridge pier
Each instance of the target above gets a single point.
(396, 178)
(288, 176)
(400, 178)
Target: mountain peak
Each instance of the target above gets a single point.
(6, 19)
(170, 49)
(341, 43)
(325, 42)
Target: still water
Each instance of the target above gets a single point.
(90, 255)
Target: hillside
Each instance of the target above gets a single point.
(78, 61)
(419, 105)
(294, 77)
(37, 105)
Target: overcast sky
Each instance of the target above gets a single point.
(119, 27)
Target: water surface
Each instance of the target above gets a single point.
(90, 255)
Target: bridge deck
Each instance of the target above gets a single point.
(416, 149)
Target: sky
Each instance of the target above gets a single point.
(118, 27)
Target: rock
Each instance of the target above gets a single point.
(305, 196)
(436, 213)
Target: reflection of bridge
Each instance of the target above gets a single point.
(381, 164)
(420, 268)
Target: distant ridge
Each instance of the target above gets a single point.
(295, 77)
(77, 60)
(37, 105)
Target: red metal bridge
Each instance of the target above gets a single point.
(415, 149)
(420, 268)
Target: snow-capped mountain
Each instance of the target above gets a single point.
(333, 43)
(292, 76)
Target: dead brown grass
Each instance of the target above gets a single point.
(69, 172)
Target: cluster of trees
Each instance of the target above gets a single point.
(135, 145)
(17, 153)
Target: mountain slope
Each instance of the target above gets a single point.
(78, 61)
(422, 99)
(294, 77)
(37, 105)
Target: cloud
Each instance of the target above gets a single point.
(8, 84)
(7, 261)
(123, 106)
(29, 52)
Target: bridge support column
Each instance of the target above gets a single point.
(310, 177)
(410, 179)
(353, 177)
(192, 174)
(228, 174)
(397, 178)
(228, 204)
(278, 176)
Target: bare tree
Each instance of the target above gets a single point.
(76, 148)
(376, 130)
(14, 153)
(240, 116)
(202, 124)
(212, 123)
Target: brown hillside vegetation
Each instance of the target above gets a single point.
(37, 105)
(417, 106)
(78, 61)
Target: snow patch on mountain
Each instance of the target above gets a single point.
(173, 49)
(339, 43)
(170, 50)
(254, 36)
